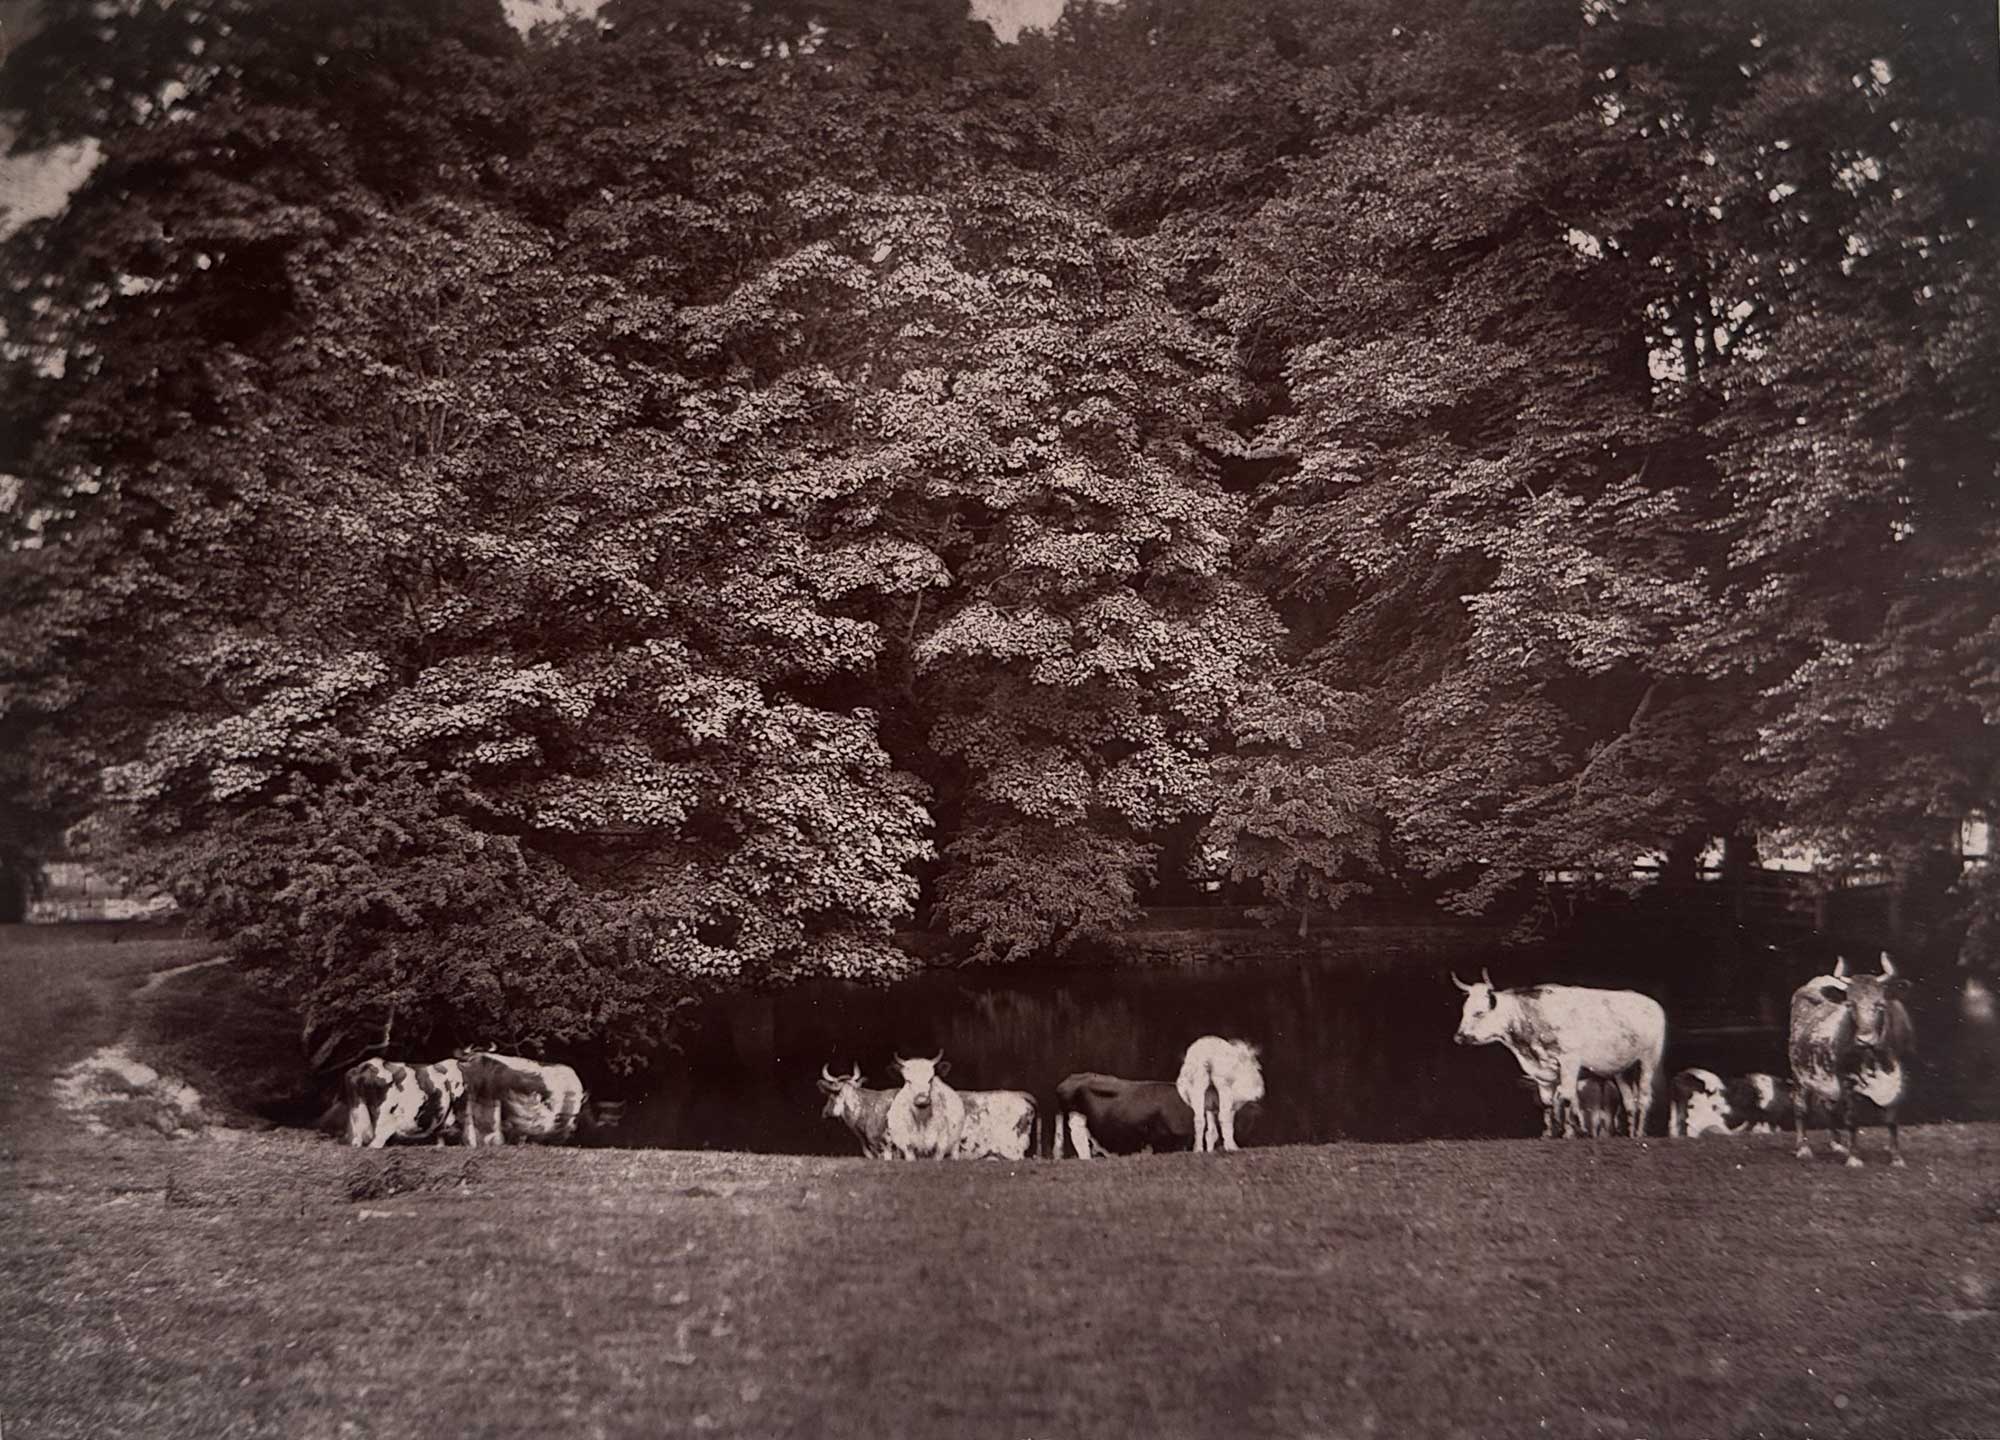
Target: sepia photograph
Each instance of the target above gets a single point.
(1051, 719)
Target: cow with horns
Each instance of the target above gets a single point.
(927, 1117)
(865, 1112)
(1851, 1039)
(1559, 1033)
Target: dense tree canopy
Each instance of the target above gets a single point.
(516, 532)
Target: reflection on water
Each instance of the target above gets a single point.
(1356, 1043)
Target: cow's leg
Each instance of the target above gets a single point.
(1895, 1140)
(359, 1127)
(1851, 1120)
(1226, 1112)
(1569, 1106)
(481, 1118)
(1079, 1134)
(1838, 1111)
(1801, 1121)
(1636, 1090)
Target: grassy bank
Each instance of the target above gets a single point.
(279, 1287)
(274, 1285)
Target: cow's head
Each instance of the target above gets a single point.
(840, 1090)
(920, 1079)
(1479, 1023)
(1868, 998)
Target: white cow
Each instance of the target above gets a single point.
(999, 1125)
(927, 1117)
(1218, 1077)
(1557, 1032)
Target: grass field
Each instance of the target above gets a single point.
(274, 1285)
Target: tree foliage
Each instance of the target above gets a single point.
(518, 532)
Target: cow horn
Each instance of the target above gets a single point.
(826, 1074)
(1888, 965)
(1459, 983)
(1840, 968)
(853, 1076)
(1487, 976)
(937, 1057)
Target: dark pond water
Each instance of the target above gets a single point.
(1356, 1041)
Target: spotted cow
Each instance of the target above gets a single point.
(999, 1125)
(509, 1098)
(1851, 1039)
(1218, 1077)
(1559, 1033)
(384, 1100)
(1706, 1104)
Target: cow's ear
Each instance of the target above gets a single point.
(1834, 994)
(1896, 985)
(943, 1068)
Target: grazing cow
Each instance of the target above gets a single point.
(507, 1097)
(1851, 1037)
(865, 1112)
(384, 1100)
(927, 1116)
(1706, 1104)
(1558, 1032)
(1218, 1077)
(999, 1125)
(1120, 1117)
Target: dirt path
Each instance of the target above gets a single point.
(161, 977)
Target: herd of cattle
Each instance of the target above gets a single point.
(475, 1098)
(1593, 1057)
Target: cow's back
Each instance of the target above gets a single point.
(1603, 1031)
(998, 1123)
(1129, 1115)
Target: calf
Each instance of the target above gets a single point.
(1601, 1106)
(1120, 1117)
(1851, 1038)
(1557, 1033)
(865, 1112)
(385, 1100)
(927, 1116)
(1218, 1077)
(1706, 1104)
(507, 1097)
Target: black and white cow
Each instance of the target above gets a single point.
(1851, 1040)
(1706, 1104)
(384, 1100)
